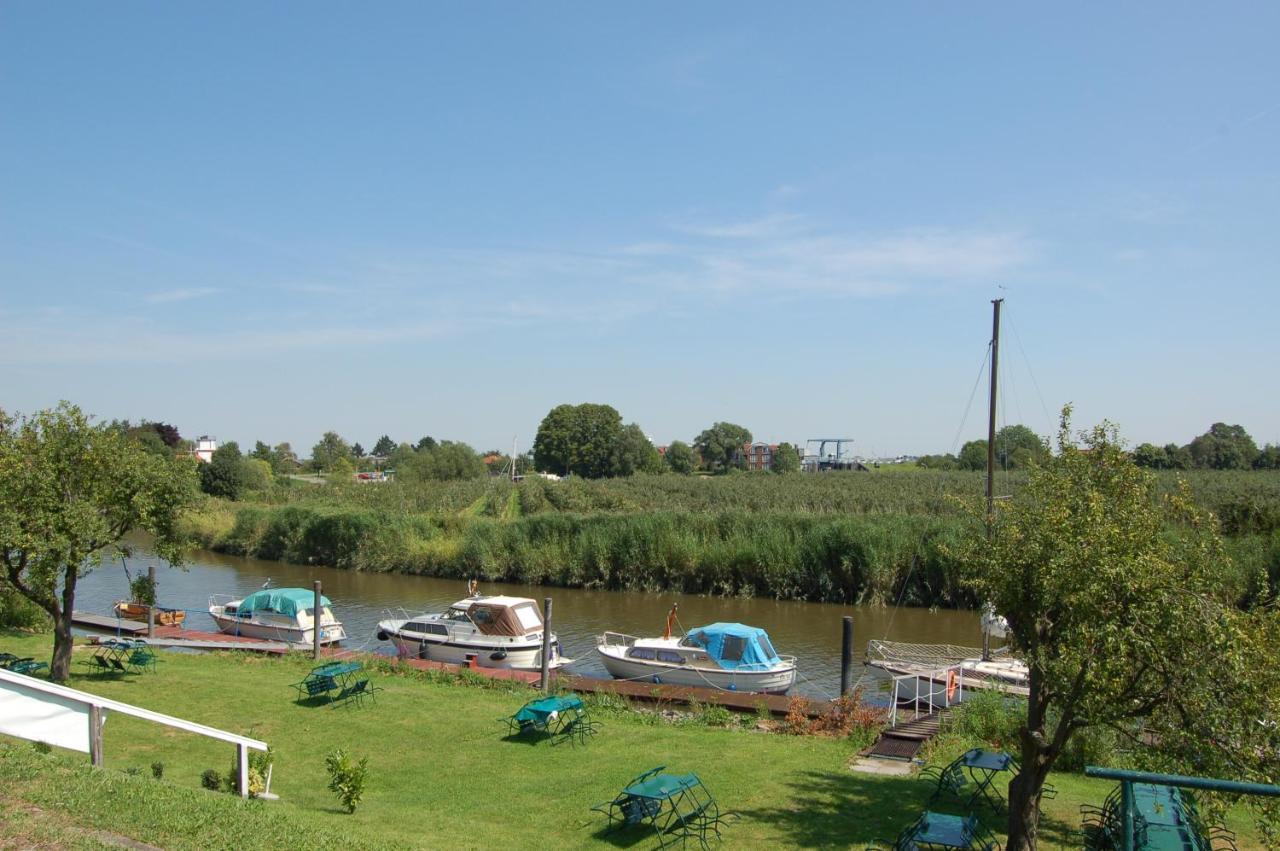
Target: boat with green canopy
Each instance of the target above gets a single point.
(277, 614)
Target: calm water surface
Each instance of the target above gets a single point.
(808, 631)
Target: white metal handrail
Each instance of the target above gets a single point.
(18, 691)
(941, 678)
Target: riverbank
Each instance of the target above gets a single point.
(441, 771)
(841, 538)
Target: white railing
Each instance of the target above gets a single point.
(938, 689)
(41, 711)
(616, 639)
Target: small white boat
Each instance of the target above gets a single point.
(486, 631)
(277, 614)
(727, 656)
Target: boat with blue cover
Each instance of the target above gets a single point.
(277, 614)
(728, 656)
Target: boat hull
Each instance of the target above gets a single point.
(138, 612)
(777, 680)
(282, 631)
(517, 657)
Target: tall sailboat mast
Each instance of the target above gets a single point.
(991, 418)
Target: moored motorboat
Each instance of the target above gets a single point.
(727, 656)
(277, 614)
(487, 631)
(138, 612)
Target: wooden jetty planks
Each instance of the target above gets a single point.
(107, 622)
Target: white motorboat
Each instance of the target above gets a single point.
(727, 656)
(277, 614)
(486, 631)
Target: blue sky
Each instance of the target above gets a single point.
(264, 221)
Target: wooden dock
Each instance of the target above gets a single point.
(108, 623)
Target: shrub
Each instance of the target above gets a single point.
(211, 779)
(20, 613)
(41, 747)
(852, 719)
(347, 777)
(157, 770)
(989, 717)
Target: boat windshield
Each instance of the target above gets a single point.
(455, 614)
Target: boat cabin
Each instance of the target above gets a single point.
(731, 646)
(290, 602)
(515, 617)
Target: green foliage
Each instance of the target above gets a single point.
(786, 459)
(1018, 447)
(721, 445)
(989, 717)
(211, 779)
(1224, 447)
(443, 462)
(347, 777)
(142, 590)
(157, 770)
(255, 475)
(224, 475)
(582, 440)
(1268, 458)
(384, 447)
(1114, 598)
(973, 455)
(635, 453)
(18, 612)
(283, 459)
(938, 462)
(328, 450)
(69, 493)
(680, 458)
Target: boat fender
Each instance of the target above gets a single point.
(733, 686)
(382, 635)
(951, 685)
(498, 655)
(657, 680)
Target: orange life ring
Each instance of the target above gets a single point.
(951, 685)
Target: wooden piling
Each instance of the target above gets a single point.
(95, 735)
(315, 622)
(846, 656)
(151, 609)
(546, 644)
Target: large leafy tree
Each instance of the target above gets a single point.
(680, 457)
(1113, 597)
(721, 445)
(225, 474)
(1224, 447)
(70, 491)
(447, 461)
(581, 440)
(973, 455)
(328, 450)
(384, 447)
(786, 459)
(635, 453)
(1018, 447)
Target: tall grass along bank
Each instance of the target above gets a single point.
(848, 538)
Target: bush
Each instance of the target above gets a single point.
(990, 717)
(42, 747)
(211, 779)
(346, 777)
(157, 770)
(20, 613)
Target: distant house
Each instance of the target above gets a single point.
(758, 456)
(205, 447)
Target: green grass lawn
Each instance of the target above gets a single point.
(441, 771)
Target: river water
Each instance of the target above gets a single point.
(809, 631)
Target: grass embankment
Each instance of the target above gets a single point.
(441, 771)
(852, 537)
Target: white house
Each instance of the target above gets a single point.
(205, 447)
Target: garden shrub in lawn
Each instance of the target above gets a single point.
(347, 777)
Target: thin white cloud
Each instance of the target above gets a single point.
(777, 224)
(183, 294)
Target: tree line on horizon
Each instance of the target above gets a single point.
(591, 441)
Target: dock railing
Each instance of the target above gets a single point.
(938, 689)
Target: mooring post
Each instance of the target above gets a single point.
(151, 609)
(546, 644)
(95, 735)
(315, 622)
(846, 656)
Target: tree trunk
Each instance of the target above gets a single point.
(60, 670)
(1024, 807)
